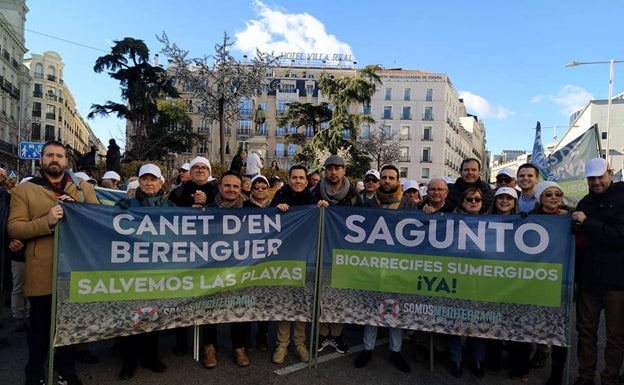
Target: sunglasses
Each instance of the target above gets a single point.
(370, 180)
(503, 179)
(471, 200)
(557, 194)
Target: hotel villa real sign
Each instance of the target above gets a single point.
(316, 56)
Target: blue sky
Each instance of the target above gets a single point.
(506, 58)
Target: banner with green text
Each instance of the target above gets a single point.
(123, 272)
(492, 276)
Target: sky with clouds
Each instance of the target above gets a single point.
(506, 59)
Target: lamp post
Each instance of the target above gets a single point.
(609, 102)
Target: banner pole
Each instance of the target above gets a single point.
(53, 312)
(314, 325)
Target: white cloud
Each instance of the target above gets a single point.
(569, 99)
(479, 106)
(277, 31)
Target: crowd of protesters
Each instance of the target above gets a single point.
(32, 211)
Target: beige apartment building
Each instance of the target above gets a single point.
(14, 80)
(51, 108)
(420, 110)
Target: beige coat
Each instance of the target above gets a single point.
(30, 204)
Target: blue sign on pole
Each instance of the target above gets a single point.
(30, 150)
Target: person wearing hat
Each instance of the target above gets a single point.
(34, 212)
(295, 193)
(184, 175)
(335, 190)
(143, 347)
(470, 170)
(198, 191)
(371, 184)
(505, 201)
(599, 222)
(388, 196)
(110, 180)
(506, 177)
(411, 192)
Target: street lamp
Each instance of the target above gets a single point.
(609, 102)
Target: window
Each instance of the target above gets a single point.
(39, 71)
(405, 133)
(407, 94)
(49, 132)
(424, 172)
(203, 147)
(429, 95)
(428, 113)
(50, 111)
(280, 131)
(604, 135)
(279, 149)
(387, 129)
(190, 105)
(245, 105)
(387, 112)
(292, 149)
(310, 89)
(203, 127)
(244, 128)
(404, 154)
(38, 91)
(346, 133)
(309, 131)
(388, 94)
(406, 113)
(281, 106)
(365, 131)
(402, 172)
(292, 129)
(36, 110)
(426, 155)
(36, 132)
(427, 133)
(366, 110)
(187, 87)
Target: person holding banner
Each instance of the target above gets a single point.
(470, 170)
(36, 207)
(259, 198)
(435, 200)
(295, 193)
(389, 195)
(143, 347)
(229, 196)
(334, 189)
(549, 197)
(471, 203)
(599, 218)
(506, 203)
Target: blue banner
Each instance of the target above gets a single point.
(504, 277)
(128, 271)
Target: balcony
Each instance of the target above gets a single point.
(426, 159)
(36, 113)
(427, 138)
(38, 94)
(38, 75)
(50, 115)
(406, 117)
(427, 117)
(52, 78)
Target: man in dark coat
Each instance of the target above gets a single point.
(113, 157)
(470, 170)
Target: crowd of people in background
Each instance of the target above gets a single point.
(598, 220)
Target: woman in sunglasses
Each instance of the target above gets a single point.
(471, 203)
(550, 201)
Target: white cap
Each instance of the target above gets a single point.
(373, 172)
(111, 175)
(82, 175)
(596, 167)
(543, 186)
(506, 190)
(150, 168)
(133, 185)
(255, 178)
(211, 178)
(507, 171)
(410, 184)
(360, 184)
(185, 166)
(200, 160)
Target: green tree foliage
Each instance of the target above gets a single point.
(141, 86)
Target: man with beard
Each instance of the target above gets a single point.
(35, 210)
(334, 189)
(388, 196)
(470, 177)
(295, 193)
